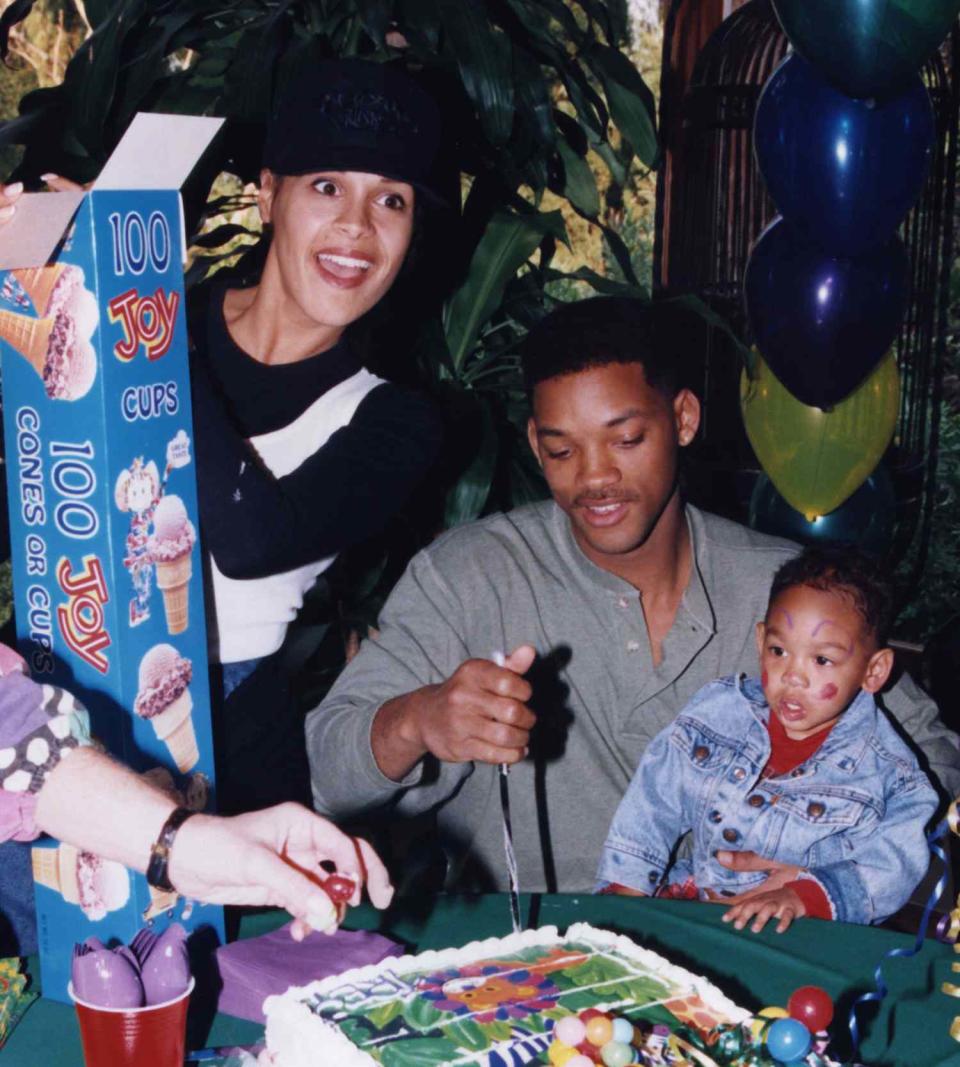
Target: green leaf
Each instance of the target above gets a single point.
(421, 1052)
(468, 1034)
(603, 285)
(507, 243)
(466, 499)
(483, 56)
(632, 104)
(375, 15)
(384, 1014)
(222, 234)
(579, 185)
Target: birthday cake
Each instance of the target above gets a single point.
(493, 1003)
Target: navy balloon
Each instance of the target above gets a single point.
(820, 322)
(845, 172)
(865, 519)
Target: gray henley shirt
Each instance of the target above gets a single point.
(521, 578)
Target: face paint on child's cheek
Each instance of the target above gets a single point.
(763, 679)
(829, 691)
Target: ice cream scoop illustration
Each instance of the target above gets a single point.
(56, 342)
(164, 698)
(99, 886)
(170, 546)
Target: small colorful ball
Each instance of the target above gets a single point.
(339, 888)
(570, 1030)
(559, 1054)
(590, 1013)
(579, 1061)
(812, 1006)
(592, 1053)
(623, 1031)
(788, 1040)
(764, 1016)
(599, 1030)
(616, 1054)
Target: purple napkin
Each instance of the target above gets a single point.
(253, 969)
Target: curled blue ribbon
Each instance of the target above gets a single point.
(880, 991)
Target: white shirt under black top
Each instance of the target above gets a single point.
(295, 462)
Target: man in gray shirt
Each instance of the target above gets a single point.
(614, 601)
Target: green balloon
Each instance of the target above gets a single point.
(866, 47)
(815, 458)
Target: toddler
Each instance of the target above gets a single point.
(800, 767)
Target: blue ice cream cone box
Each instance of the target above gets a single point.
(107, 575)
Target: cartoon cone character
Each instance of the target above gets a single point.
(170, 547)
(56, 343)
(164, 698)
(99, 886)
(137, 491)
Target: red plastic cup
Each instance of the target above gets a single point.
(152, 1036)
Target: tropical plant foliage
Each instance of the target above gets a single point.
(539, 97)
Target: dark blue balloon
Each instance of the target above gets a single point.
(866, 519)
(822, 323)
(845, 172)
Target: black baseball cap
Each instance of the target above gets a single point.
(355, 114)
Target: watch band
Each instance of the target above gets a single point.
(157, 875)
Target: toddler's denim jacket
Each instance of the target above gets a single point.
(853, 815)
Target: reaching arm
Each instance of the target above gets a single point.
(417, 688)
(268, 857)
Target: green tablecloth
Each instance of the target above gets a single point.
(910, 1030)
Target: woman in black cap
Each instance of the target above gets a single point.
(300, 451)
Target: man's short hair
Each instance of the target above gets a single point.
(611, 329)
(844, 570)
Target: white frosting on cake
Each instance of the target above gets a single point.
(298, 1037)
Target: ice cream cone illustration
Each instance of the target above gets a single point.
(29, 336)
(97, 885)
(67, 366)
(164, 698)
(170, 546)
(41, 283)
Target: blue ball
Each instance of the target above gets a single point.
(788, 1040)
(623, 1031)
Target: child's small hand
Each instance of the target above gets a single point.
(783, 904)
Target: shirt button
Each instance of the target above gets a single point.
(701, 753)
(730, 835)
(623, 602)
(739, 774)
(796, 772)
(715, 816)
(815, 809)
(756, 801)
(653, 877)
(633, 646)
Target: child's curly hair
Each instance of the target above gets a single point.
(835, 569)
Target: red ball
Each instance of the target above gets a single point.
(339, 889)
(811, 1006)
(590, 1013)
(591, 1051)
